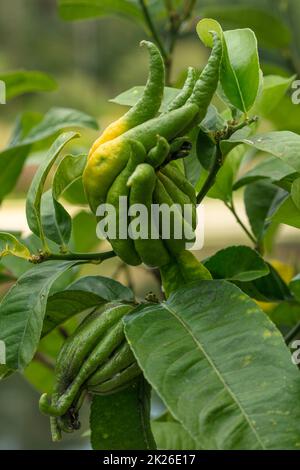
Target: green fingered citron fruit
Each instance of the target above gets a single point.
(149, 246)
(142, 136)
(95, 358)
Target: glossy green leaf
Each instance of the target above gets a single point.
(121, 421)
(22, 311)
(284, 145)
(10, 245)
(23, 125)
(236, 263)
(23, 81)
(83, 294)
(270, 288)
(240, 71)
(205, 27)
(214, 338)
(65, 304)
(57, 119)
(34, 196)
(104, 287)
(82, 9)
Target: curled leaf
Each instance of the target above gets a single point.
(9, 245)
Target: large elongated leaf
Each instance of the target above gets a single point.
(240, 72)
(22, 81)
(87, 292)
(122, 421)
(220, 366)
(33, 202)
(22, 311)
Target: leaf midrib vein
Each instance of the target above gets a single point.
(216, 370)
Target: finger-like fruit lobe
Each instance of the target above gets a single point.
(96, 358)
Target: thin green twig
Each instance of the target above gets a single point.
(92, 257)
